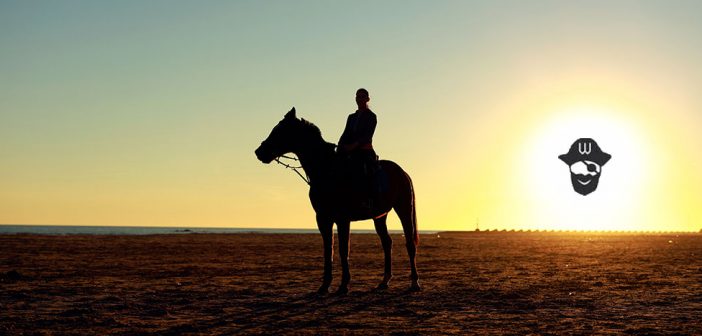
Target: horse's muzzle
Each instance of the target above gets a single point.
(263, 155)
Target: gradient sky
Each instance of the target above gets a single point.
(148, 112)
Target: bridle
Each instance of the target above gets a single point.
(294, 168)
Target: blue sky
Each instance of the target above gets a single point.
(147, 113)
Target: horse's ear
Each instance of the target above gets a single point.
(291, 114)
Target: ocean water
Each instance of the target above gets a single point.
(148, 230)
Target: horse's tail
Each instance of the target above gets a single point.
(414, 211)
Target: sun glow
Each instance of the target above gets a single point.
(620, 199)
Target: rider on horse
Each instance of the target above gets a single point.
(356, 145)
(334, 202)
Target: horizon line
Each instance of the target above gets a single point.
(426, 231)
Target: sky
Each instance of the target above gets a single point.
(148, 113)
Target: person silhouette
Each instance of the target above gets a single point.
(356, 143)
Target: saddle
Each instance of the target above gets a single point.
(364, 183)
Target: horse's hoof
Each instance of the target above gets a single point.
(415, 287)
(341, 291)
(323, 291)
(382, 286)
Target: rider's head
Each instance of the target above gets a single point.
(362, 98)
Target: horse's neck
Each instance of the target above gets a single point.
(316, 158)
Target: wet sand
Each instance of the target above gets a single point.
(473, 283)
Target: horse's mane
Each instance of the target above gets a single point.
(311, 128)
(315, 133)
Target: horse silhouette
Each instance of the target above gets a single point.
(332, 197)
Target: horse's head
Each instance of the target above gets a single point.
(284, 138)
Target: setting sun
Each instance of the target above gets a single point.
(619, 201)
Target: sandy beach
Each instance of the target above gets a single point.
(473, 283)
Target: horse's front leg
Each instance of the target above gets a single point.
(344, 228)
(325, 226)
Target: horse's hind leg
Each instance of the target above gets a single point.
(406, 214)
(382, 229)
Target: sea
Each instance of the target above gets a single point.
(151, 230)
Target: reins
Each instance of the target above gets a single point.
(294, 168)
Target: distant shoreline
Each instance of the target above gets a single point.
(152, 230)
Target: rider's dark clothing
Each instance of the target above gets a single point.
(360, 127)
(362, 160)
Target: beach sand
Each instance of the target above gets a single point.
(473, 283)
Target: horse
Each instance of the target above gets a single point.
(330, 197)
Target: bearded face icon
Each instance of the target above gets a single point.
(585, 159)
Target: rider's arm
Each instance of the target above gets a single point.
(365, 130)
